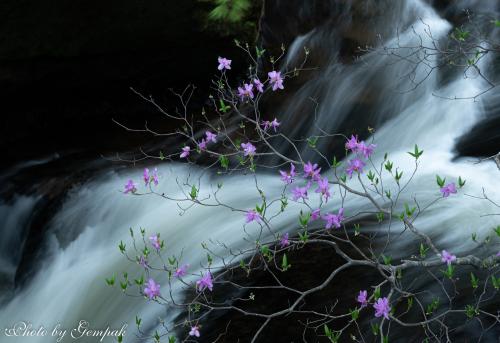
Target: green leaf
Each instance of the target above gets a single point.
(304, 237)
(223, 107)
(433, 306)
(387, 260)
(416, 152)
(138, 321)
(471, 311)
(423, 250)
(111, 281)
(497, 230)
(284, 263)
(409, 303)
(194, 192)
(335, 163)
(388, 166)
(354, 314)
(140, 282)
(497, 23)
(311, 141)
(461, 182)
(122, 247)
(496, 282)
(162, 157)
(440, 181)
(224, 162)
(171, 339)
(474, 281)
(376, 293)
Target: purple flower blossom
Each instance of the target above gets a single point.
(145, 176)
(274, 124)
(316, 214)
(284, 242)
(324, 188)
(352, 143)
(185, 151)
(155, 241)
(211, 137)
(205, 282)
(202, 145)
(143, 262)
(366, 150)
(362, 298)
(498, 254)
(382, 308)
(259, 85)
(152, 289)
(224, 63)
(276, 80)
(130, 187)
(181, 271)
(312, 170)
(334, 219)
(354, 165)
(248, 148)
(195, 331)
(447, 257)
(448, 189)
(251, 216)
(288, 177)
(155, 176)
(300, 192)
(246, 91)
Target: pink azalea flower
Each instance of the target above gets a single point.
(248, 148)
(211, 137)
(300, 192)
(181, 271)
(448, 189)
(447, 257)
(202, 145)
(130, 187)
(155, 176)
(352, 143)
(287, 177)
(324, 188)
(195, 331)
(334, 219)
(145, 176)
(246, 91)
(354, 165)
(362, 298)
(152, 289)
(205, 282)
(284, 241)
(312, 170)
(143, 262)
(274, 124)
(366, 150)
(276, 80)
(224, 63)
(185, 151)
(259, 85)
(251, 216)
(382, 308)
(155, 241)
(315, 215)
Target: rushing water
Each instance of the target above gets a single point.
(83, 236)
